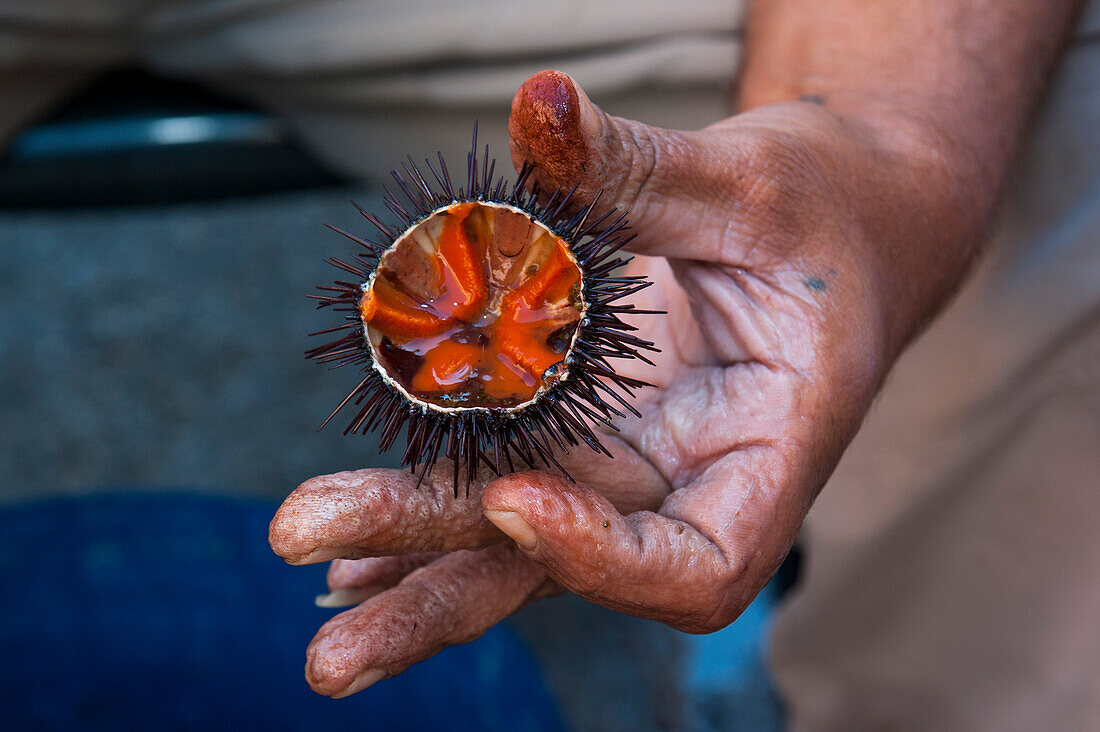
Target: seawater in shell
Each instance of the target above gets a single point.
(474, 306)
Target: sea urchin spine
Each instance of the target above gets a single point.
(485, 321)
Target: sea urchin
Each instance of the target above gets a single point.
(485, 321)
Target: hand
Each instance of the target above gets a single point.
(782, 242)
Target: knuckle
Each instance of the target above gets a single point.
(645, 154)
(718, 604)
(651, 154)
(432, 598)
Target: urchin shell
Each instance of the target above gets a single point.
(473, 423)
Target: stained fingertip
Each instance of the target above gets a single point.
(553, 124)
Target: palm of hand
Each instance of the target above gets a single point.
(706, 490)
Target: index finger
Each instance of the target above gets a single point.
(376, 512)
(381, 512)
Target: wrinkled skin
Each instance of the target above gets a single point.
(781, 243)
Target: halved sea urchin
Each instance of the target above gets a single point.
(485, 321)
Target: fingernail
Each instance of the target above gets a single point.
(361, 682)
(590, 121)
(318, 555)
(514, 525)
(346, 597)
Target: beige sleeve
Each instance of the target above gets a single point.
(369, 82)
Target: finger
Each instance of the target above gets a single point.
(450, 601)
(379, 512)
(352, 581)
(695, 566)
(666, 180)
(387, 571)
(376, 513)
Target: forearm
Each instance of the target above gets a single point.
(972, 68)
(948, 86)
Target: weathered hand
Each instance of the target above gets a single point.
(776, 240)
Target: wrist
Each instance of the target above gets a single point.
(936, 195)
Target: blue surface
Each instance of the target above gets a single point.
(726, 674)
(171, 612)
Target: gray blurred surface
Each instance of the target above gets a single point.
(609, 671)
(160, 346)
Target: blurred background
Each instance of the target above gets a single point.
(166, 171)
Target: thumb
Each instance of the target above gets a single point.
(655, 175)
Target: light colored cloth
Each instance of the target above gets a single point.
(952, 579)
(367, 82)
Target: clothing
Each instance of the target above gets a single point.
(952, 575)
(367, 82)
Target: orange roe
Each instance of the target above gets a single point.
(476, 306)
